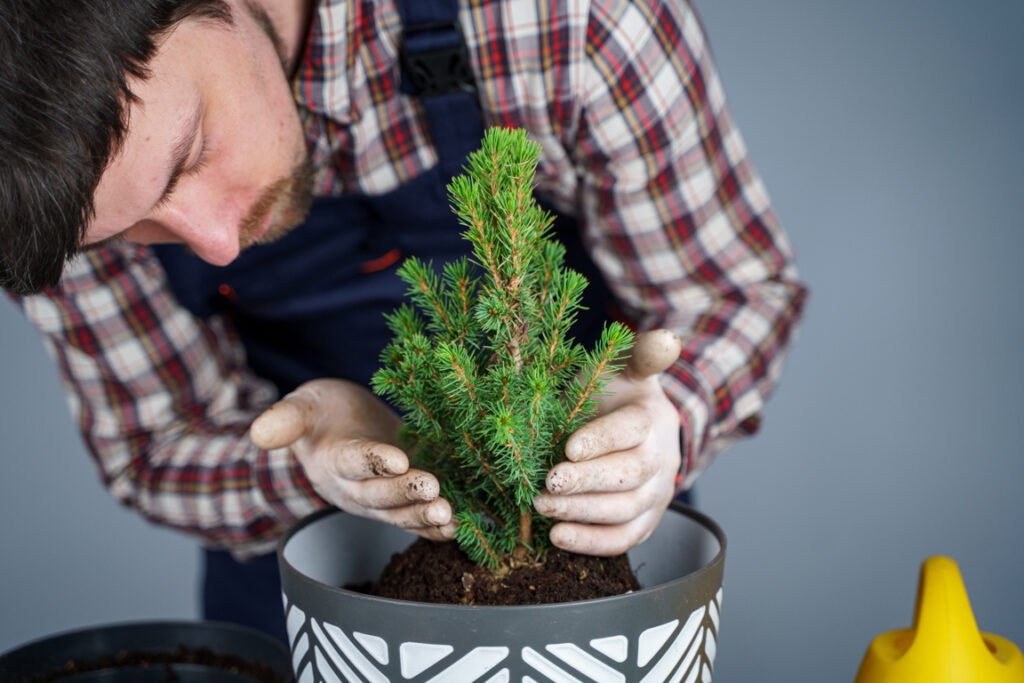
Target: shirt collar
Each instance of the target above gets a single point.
(321, 82)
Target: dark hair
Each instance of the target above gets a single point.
(64, 97)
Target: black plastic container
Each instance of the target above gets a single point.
(102, 644)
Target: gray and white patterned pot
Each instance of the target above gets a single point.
(664, 632)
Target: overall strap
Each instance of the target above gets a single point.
(436, 69)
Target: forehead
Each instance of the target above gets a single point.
(165, 104)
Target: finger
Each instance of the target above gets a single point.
(437, 514)
(615, 472)
(604, 540)
(437, 533)
(654, 351)
(359, 459)
(382, 493)
(626, 427)
(285, 422)
(596, 508)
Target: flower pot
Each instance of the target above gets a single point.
(151, 652)
(664, 632)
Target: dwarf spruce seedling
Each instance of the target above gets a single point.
(483, 362)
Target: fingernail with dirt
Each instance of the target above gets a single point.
(376, 464)
(422, 488)
(561, 482)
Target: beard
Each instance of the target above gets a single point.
(285, 203)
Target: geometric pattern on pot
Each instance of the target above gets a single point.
(676, 651)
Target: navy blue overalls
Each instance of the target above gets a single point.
(310, 305)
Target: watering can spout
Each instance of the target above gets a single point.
(944, 643)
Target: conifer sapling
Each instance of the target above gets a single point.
(483, 362)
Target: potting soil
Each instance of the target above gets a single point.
(440, 573)
(166, 660)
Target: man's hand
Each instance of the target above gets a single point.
(345, 437)
(620, 475)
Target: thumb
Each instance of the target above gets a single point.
(286, 421)
(653, 352)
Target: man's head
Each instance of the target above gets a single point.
(151, 121)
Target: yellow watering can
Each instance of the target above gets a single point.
(944, 645)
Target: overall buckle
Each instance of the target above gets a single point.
(438, 70)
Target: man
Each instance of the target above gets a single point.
(212, 124)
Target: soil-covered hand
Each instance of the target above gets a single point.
(345, 438)
(620, 475)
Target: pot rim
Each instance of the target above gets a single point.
(677, 507)
(161, 635)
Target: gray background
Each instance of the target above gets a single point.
(887, 135)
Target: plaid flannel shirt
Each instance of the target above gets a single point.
(637, 143)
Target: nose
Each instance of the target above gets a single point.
(217, 243)
(211, 231)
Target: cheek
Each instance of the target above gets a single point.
(257, 123)
(291, 134)
(287, 129)
(274, 104)
(273, 137)
(260, 149)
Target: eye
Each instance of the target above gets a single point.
(201, 160)
(191, 169)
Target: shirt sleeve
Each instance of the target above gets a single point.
(164, 402)
(678, 220)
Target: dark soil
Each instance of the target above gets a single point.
(440, 573)
(259, 673)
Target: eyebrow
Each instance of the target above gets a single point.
(180, 151)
